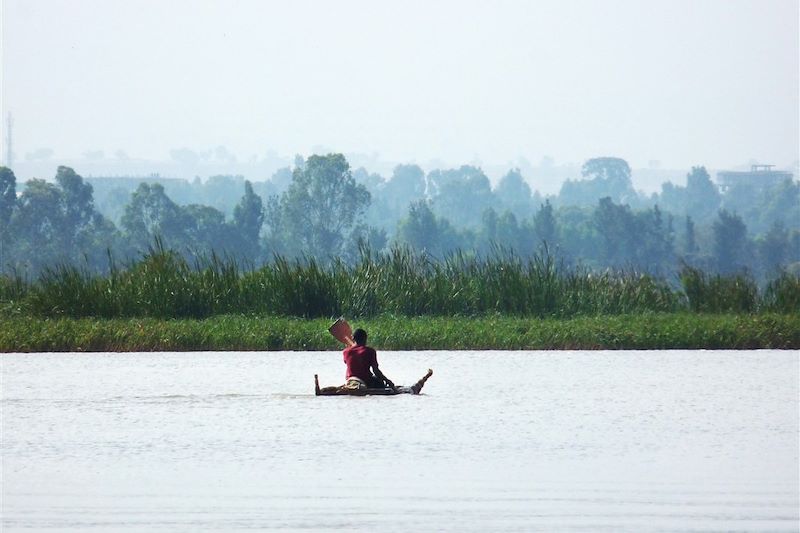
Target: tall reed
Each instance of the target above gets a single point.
(400, 282)
(737, 293)
(782, 294)
(13, 290)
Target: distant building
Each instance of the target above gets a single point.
(759, 177)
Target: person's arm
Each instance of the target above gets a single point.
(373, 364)
(379, 374)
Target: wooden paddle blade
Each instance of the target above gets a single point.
(342, 332)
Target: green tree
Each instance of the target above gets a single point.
(577, 235)
(367, 237)
(425, 232)
(640, 239)
(544, 225)
(193, 230)
(515, 236)
(489, 220)
(504, 231)
(655, 248)
(8, 196)
(150, 214)
(615, 172)
(420, 229)
(460, 195)
(248, 218)
(514, 193)
(317, 214)
(510, 234)
(406, 185)
(780, 203)
(77, 207)
(615, 225)
(702, 197)
(371, 180)
(730, 241)
(391, 199)
(602, 177)
(690, 247)
(38, 227)
(58, 223)
(8, 202)
(773, 248)
(699, 199)
(205, 231)
(219, 192)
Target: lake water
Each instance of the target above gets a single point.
(498, 441)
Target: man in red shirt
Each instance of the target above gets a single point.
(362, 365)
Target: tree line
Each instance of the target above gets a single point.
(322, 209)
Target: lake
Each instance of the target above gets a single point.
(498, 441)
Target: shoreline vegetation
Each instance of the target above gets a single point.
(236, 332)
(405, 300)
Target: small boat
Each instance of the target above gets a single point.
(341, 390)
(342, 332)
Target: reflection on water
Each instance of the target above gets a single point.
(497, 441)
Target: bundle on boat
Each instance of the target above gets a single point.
(344, 390)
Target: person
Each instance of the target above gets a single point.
(362, 365)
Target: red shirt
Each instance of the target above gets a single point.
(359, 359)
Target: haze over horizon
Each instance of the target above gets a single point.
(663, 83)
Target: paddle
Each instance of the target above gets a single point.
(342, 332)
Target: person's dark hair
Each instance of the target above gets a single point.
(360, 336)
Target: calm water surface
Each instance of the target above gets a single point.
(500, 441)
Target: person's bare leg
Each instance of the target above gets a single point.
(416, 387)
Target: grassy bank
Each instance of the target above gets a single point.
(228, 332)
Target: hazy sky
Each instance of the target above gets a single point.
(711, 82)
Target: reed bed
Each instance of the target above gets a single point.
(400, 283)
